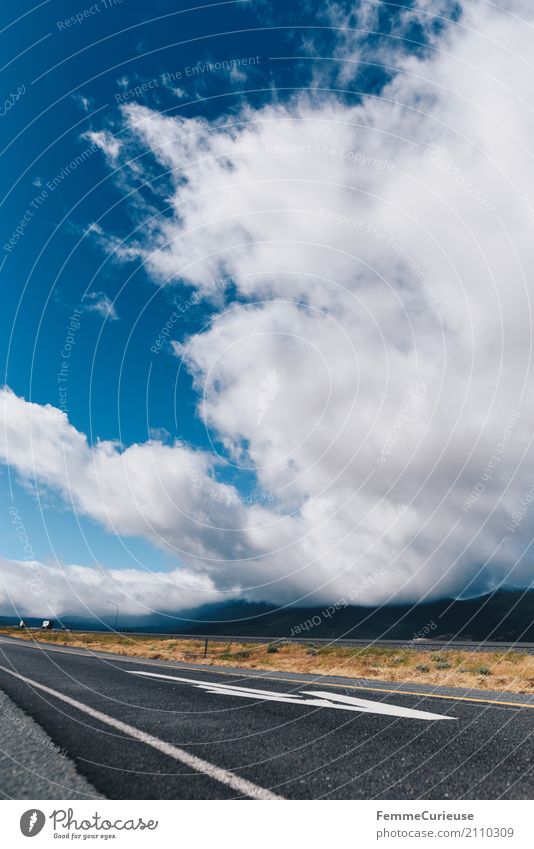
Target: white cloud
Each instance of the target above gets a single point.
(151, 489)
(83, 102)
(30, 588)
(383, 255)
(106, 141)
(100, 303)
(368, 40)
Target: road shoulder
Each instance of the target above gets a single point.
(31, 765)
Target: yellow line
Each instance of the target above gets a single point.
(103, 654)
(362, 687)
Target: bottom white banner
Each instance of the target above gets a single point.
(222, 824)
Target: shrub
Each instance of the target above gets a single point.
(483, 670)
(422, 668)
(271, 649)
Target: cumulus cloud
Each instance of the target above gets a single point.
(372, 371)
(152, 489)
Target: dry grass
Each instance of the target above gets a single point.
(506, 671)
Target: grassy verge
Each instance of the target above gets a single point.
(506, 671)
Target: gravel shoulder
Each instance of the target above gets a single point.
(31, 765)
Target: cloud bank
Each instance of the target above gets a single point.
(30, 588)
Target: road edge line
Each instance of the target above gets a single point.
(223, 776)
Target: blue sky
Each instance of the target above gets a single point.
(54, 266)
(331, 279)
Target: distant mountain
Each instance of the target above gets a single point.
(502, 615)
(505, 615)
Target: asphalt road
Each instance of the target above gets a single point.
(152, 729)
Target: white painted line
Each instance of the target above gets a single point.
(229, 779)
(322, 699)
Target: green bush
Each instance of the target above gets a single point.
(422, 668)
(272, 649)
(483, 670)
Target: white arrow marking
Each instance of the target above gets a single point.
(334, 701)
(376, 707)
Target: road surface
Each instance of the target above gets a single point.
(152, 729)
